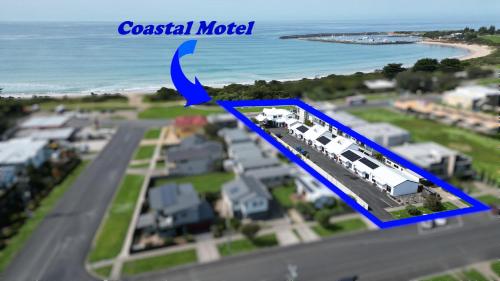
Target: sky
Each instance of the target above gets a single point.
(239, 10)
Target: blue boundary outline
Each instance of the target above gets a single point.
(476, 205)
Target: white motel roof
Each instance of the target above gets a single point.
(300, 127)
(45, 121)
(274, 114)
(19, 151)
(384, 174)
(339, 145)
(315, 132)
(290, 121)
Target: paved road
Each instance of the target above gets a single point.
(394, 254)
(376, 199)
(58, 248)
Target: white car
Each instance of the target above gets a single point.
(440, 222)
(427, 224)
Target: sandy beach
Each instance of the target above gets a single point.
(475, 51)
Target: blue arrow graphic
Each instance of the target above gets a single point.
(193, 92)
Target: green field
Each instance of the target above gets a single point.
(340, 227)
(477, 146)
(446, 277)
(245, 245)
(114, 228)
(159, 262)
(404, 214)
(91, 106)
(492, 38)
(495, 266)
(283, 193)
(169, 112)
(489, 199)
(46, 205)
(473, 274)
(144, 152)
(104, 271)
(488, 81)
(152, 133)
(211, 182)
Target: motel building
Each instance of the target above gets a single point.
(299, 130)
(338, 146)
(275, 117)
(315, 132)
(322, 141)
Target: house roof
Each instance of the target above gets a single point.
(19, 151)
(234, 135)
(196, 120)
(339, 145)
(277, 171)
(351, 155)
(424, 153)
(244, 188)
(172, 198)
(47, 134)
(194, 147)
(316, 131)
(380, 129)
(46, 121)
(346, 119)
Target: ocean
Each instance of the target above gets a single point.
(76, 58)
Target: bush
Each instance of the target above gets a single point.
(412, 210)
(323, 217)
(307, 210)
(250, 230)
(235, 223)
(433, 203)
(426, 65)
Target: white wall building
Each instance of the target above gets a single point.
(23, 152)
(339, 145)
(315, 132)
(299, 130)
(473, 98)
(274, 116)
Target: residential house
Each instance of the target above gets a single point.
(186, 126)
(194, 155)
(246, 156)
(384, 134)
(178, 208)
(275, 117)
(233, 136)
(435, 158)
(272, 176)
(45, 122)
(313, 191)
(473, 98)
(246, 197)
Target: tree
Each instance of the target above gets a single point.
(323, 217)
(392, 69)
(426, 65)
(451, 65)
(477, 72)
(235, 223)
(306, 209)
(414, 81)
(412, 210)
(433, 203)
(250, 230)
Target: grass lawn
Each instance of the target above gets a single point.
(475, 145)
(152, 133)
(92, 106)
(282, 194)
(157, 112)
(446, 277)
(495, 266)
(46, 205)
(211, 182)
(104, 271)
(474, 275)
(144, 152)
(489, 199)
(492, 38)
(139, 166)
(114, 228)
(340, 227)
(245, 245)
(159, 262)
(401, 214)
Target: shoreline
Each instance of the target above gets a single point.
(474, 51)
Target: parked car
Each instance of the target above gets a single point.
(427, 224)
(440, 222)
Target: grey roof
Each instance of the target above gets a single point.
(256, 161)
(171, 198)
(346, 119)
(277, 171)
(380, 129)
(194, 147)
(244, 188)
(146, 220)
(234, 135)
(244, 148)
(351, 155)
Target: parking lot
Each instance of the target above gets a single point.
(376, 199)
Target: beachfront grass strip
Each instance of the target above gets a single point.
(344, 226)
(210, 182)
(495, 267)
(491, 38)
(114, 229)
(152, 134)
(159, 262)
(169, 112)
(246, 245)
(445, 277)
(479, 147)
(401, 214)
(104, 272)
(90, 106)
(283, 195)
(16, 243)
(489, 199)
(489, 81)
(144, 152)
(473, 274)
